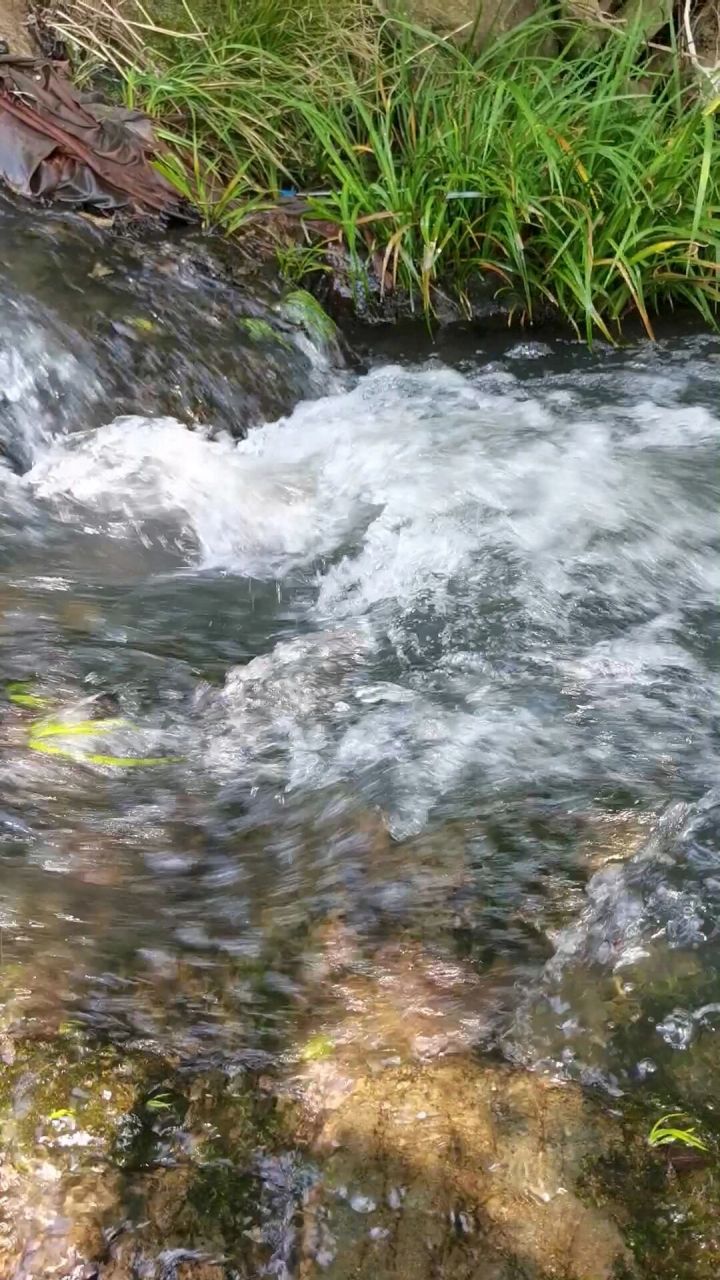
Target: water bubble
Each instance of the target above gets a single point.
(677, 1029)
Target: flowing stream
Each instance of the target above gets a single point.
(362, 714)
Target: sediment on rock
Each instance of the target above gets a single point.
(14, 28)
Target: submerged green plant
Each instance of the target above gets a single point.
(259, 330)
(664, 1133)
(159, 1102)
(317, 1048)
(42, 733)
(20, 693)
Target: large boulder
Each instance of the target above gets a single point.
(460, 1170)
(480, 19)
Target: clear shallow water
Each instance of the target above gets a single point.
(435, 659)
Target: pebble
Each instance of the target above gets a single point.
(362, 1204)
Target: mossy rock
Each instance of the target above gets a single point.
(63, 1106)
(453, 1167)
(302, 309)
(59, 1086)
(262, 331)
(96, 1137)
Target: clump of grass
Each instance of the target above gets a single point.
(576, 189)
(582, 183)
(665, 1134)
(223, 80)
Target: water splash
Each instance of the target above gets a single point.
(526, 569)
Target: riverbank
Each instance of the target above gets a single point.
(557, 170)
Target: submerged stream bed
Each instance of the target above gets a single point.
(359, 830)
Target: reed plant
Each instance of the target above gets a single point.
(584, 182)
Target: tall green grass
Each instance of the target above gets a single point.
(580, 188)
(231, 98)
(582, 184)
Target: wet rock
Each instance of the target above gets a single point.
(124, 341)
(401, 1002)
(13, 29)
(613, 837)
(60, 1113)
(123, 1166)
(113, 1165)
(457, 1169)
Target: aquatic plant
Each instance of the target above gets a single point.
(161, 1101)
(59, 737)
(664, 1133)
(574, 180)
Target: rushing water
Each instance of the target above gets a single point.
(427, 668)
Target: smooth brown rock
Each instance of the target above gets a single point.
(461, 1170)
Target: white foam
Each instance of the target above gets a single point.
(430, 473)
(489, 536)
